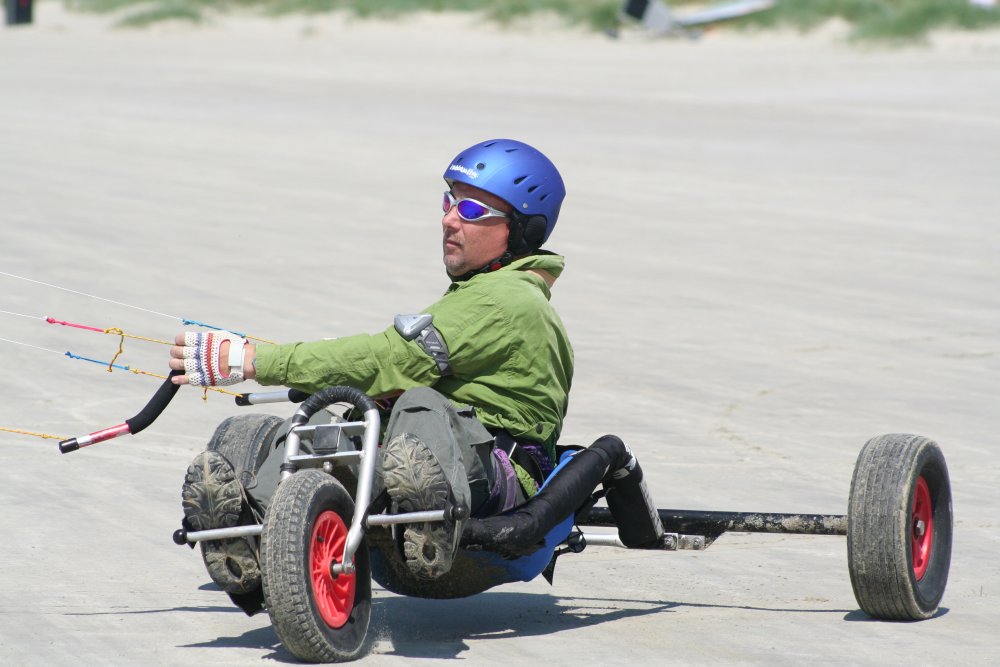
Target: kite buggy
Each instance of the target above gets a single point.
(327, 534)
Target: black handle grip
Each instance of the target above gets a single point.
(296, 396)
(156, 405)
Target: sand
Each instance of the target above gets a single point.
(778, 246)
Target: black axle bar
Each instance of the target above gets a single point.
(713, 524)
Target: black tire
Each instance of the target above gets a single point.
(316, 618)
(244, 441)
(898, 564)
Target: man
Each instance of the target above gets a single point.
(493, 368)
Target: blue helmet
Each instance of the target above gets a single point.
(522, 177)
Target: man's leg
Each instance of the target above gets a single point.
(435, 456)
(608, 461)
(265, 482)
(215, 494)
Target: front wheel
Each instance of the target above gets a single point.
(899, 527)
(318, 617)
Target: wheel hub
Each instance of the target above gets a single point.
(922, 538)
(333, 592)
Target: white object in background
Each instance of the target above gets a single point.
(656, 17)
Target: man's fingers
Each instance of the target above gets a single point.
(178, 365)
(177, 355)
(204, 357)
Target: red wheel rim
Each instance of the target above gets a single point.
(922, 527)
(334, 597)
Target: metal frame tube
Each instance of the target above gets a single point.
(713, 524)
(363, 497)
(292, 444)
(409, 517)
(224, 533)
(261, 397)
(603, 540)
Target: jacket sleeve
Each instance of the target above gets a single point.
(479, 333)
(380, 365)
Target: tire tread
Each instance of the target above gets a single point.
(285, 568)
(878, 541)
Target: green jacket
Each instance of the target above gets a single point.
(511, 357)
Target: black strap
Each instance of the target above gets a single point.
(432, 343)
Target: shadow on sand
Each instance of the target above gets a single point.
(440, 629)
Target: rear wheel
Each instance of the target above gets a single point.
(317, 616)
(899, 529)
(244, 440)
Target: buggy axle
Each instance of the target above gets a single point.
(713, 524)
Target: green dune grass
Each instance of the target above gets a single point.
(878, 20)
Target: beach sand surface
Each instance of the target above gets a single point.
(778, 246)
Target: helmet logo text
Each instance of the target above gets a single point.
(471, 173)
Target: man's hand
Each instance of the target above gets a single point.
(217, 358)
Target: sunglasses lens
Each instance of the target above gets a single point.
(471, 210)
(446, 202)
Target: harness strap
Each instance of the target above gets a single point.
(421, 329)
(432, 343)
(526, 456)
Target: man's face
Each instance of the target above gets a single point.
(471, 245)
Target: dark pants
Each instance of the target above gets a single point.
(462, 445)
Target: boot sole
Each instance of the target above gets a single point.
(416, 482)
(213, 498)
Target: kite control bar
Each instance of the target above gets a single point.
(144, 418)
(158, 404)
